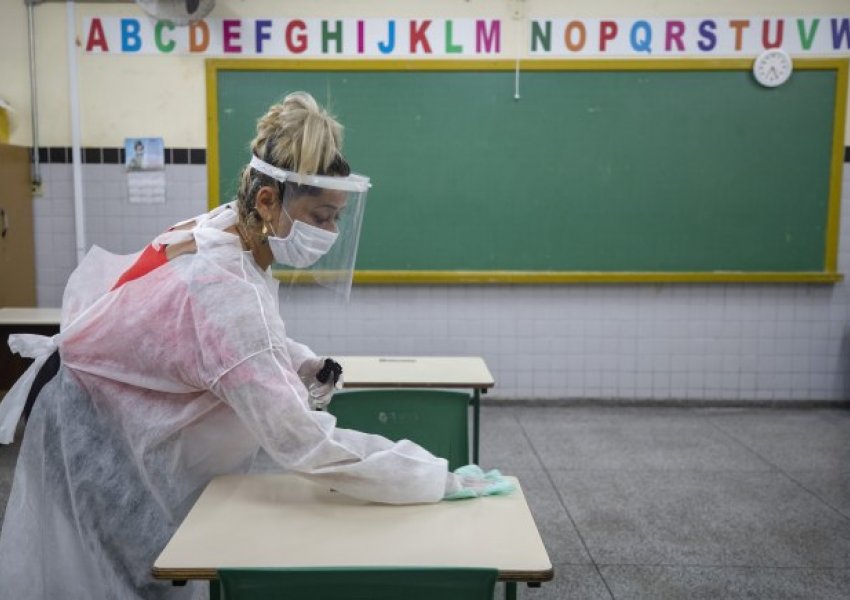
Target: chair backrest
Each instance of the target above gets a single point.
(379, 583)
(437, 420)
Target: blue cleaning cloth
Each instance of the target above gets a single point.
(476, 482)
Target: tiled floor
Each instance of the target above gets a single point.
(645, 503)
(663, 503)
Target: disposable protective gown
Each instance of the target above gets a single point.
(166, 382)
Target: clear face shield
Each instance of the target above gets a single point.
(314, 241)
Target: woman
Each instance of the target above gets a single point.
(176, 367)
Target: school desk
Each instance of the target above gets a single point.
(11, 316)
(243, 521)
(453, 372)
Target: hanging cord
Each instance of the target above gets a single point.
(519, 15)
(516, 79)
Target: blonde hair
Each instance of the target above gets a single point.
(296, 135)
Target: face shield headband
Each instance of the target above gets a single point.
(312, 252)
(352, 183)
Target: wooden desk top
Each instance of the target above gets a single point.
(415, 371)
(30, 316)
(287, 521)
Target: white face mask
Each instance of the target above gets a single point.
(304, 245)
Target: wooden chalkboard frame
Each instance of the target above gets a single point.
(829, 275)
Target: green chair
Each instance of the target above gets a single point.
(380, 583)
(437, 420)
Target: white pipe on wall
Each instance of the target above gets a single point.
(76, 154)
(36, 166)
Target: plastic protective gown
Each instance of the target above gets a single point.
(166, 382)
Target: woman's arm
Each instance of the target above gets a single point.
(270, 399)
(298, 353)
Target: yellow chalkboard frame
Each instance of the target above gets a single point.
(829, 275)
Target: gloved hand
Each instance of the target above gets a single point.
(471, 481)
(321, 376)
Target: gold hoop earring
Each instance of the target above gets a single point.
(265, 236)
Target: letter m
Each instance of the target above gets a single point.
(488, 40)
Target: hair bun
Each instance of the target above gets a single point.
(298, 135)
(304, 101)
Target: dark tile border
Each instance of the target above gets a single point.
(173, 156)
(180, 156)
(197, 156)
(57, 155)
(92, 156)
(111, 156)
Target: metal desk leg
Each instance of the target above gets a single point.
(510, 590)
(476, 415)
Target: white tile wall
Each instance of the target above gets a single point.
(112, 222)
(677, 342)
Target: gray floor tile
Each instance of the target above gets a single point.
(833, 487)
(5, 490)
(503, 443)
(794, 440)
(558, 532)
(724, 518)
(633, 439)
(674, 487)
(571, 582)
(8, 459)
(726, 583)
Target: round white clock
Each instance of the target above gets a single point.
(773, 67)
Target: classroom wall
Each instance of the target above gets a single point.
(169, 91)
(697, 342)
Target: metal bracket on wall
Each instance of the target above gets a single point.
(517, 8)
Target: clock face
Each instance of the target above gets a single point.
(772, 68)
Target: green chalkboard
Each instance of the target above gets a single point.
(636, 171)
